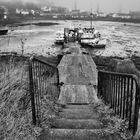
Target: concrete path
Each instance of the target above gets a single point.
(79, 74)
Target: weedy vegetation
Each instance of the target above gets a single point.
(15, 104)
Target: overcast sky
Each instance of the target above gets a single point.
(104, 5)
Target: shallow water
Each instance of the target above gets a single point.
(125, 39)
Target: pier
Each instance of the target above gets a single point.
(78, 74)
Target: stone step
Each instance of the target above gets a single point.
(71, 108)
(79, 109)
(78, 134)
(76, 124)
(79, 113)
(77, 106)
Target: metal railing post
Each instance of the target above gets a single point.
(136, 111)
(41, 76)
(32, 92)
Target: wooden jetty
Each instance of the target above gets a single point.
(78, 74)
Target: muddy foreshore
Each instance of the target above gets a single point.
(19, 21)
(23, 22)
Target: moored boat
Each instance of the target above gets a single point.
(3, 31)
(59, 39)
(70, 34)
(92, 38)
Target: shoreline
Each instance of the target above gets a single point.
(20, 22)
(26, 22)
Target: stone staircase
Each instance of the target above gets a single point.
(78, 122)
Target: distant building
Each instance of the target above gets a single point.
(25, 12)
(54, 10)
(3, 12)
(121, 15)
(135, 14)
(75, 13)
(61, 10)
(85, 14)
(22, 12)
(5, 17)
(46, 9)
(18, 11)
(32, 12)
(101, 14)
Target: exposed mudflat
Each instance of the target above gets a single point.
(39, 36)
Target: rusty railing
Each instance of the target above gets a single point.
(42, 77)
(121, 92)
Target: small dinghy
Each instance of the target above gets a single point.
(3, 31)
(59, 39)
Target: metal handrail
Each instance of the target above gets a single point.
(123, 74)
(42, 61)
(119, 74)
(121, 86)
(40, 78)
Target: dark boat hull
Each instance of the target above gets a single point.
(3, 32)
(96, 46)
(59, 42)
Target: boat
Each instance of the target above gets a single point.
(89, 37)
(59, 39)
(3, 31)
(92, 38)
(100, 45)
(70, 35)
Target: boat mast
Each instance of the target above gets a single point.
(91, 19)
(75, 5)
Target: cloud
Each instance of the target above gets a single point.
(105, 5)
(25, 1)
(20, 3)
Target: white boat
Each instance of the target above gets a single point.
(92, 38)
(59, 39)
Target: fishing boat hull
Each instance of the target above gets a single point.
(96, 46)
(59, 40)
(3, 32)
